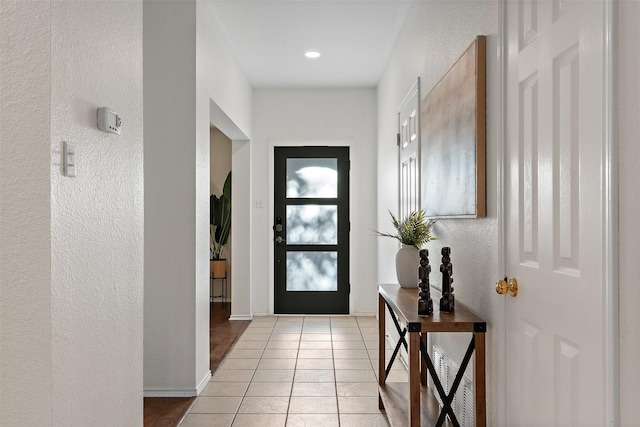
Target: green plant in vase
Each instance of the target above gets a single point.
(413, 232)
(220, 219)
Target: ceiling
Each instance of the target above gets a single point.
(268, 40)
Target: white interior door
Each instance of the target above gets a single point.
(409, 152)
(555, 208)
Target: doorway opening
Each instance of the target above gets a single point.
(220, 219)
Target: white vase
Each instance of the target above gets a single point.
(407, 263)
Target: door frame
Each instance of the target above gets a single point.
(353, 187)
(610, 217)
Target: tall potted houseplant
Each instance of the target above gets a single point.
(220, 227)
(413, 232)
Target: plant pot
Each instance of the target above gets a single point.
(407, 263)
(218, 268)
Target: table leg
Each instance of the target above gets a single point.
(424, 371)
(382, 375)
(414, 379)
(480, 381)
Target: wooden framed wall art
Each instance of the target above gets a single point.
(453, 122)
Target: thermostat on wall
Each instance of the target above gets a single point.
(109, 120)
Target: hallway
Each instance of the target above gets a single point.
(297, 371)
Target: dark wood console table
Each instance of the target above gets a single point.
(415, 405)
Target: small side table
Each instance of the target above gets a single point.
(416, 404)
(225, 290)
(218, 271)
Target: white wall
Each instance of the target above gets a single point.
(224, 95)
(308, 117)
(25, 234)
(224, 100)
(97, 217)
(170, 164)
(435, 35)
(71, 247)
(187, 73)
(629, 155)
(241, 230)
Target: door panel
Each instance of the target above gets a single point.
(554, 212)
(409, 151)
(311, 233)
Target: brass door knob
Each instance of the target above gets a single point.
(502, 286)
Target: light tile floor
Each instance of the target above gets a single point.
(298, 371)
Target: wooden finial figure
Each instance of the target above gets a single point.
(447, 301)
(425, 303)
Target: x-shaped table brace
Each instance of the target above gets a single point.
(400, 342)
(447, 399)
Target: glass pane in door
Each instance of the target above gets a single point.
(312, 224)
(312, 178)
(312, 271)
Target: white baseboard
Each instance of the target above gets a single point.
(180, 393)
(360, 314)
(204, 382)
(250, 317)
(367, 314)
(170, 393)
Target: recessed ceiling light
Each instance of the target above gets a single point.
(312, 54)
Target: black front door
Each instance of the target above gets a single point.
(311, 230)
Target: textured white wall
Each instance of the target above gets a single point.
(307, 116)
(435, 35)
(220, 87)
(170, 201)
(224, 99)
(187, 70)
(241, 229)
(97, 217)
(220, 77)
(72, 319)
(25, 236)
(629, 129)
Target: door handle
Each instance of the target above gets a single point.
(502, 286)
(280, 240)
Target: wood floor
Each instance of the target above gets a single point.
(168, 411)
